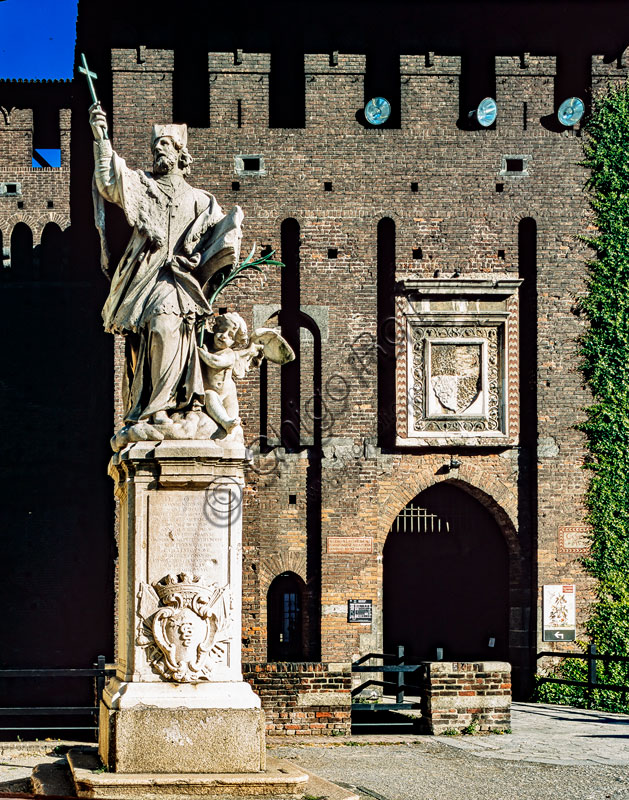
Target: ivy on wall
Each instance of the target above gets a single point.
(605, 365)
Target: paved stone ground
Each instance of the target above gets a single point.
(554, 753)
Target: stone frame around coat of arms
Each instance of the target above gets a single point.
(457, 364)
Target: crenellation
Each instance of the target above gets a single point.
(239, 89)
(334, 93)
(18, 118)
(239, 62)
(612, 68)
(430, 64)
(323, 63)
(606, 72)
(430, 91)
(142, 59)
(526, 65)
(524, 91)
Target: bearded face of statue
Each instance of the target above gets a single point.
(165, 156)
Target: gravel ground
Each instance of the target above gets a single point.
(428, 769)
(554, 753)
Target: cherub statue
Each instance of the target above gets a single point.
(231, 354)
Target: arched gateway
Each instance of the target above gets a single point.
(446, 579)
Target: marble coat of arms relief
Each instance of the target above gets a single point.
(184, 626)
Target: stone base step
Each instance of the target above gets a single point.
(281, 780)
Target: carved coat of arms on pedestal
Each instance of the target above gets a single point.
(184, 625)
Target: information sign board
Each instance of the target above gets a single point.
(359, 611)
(559, 613)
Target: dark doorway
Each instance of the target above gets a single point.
(446, 579)
(284, 610)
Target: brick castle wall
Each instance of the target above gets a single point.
(455, 210)
(302, 699)
(43, 194)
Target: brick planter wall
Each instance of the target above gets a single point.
(303, 698)
(460, 693)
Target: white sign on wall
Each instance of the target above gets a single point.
(559, 613)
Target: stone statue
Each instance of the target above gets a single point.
(174, 387)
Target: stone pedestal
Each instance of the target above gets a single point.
(178, 703)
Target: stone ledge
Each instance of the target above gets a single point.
(463, 702)
(332, 699)
(281, 779)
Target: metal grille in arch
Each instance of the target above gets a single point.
(414, 519)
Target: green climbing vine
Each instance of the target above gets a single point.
(605, 365)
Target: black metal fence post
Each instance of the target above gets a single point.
(591, 674)
(99, 686)
(100, 679)
(399, 695)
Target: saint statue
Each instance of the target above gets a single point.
(158, 300)
(180, 238)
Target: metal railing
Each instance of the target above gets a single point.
(399, 669)
(592, 684)
(99, 672)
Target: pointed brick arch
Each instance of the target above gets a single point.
(499, 499)
(488, 485)
(447, 577)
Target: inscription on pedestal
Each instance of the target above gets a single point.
(186, 535)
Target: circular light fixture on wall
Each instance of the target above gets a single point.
(486, 112)
(377, 110)
(571, 111)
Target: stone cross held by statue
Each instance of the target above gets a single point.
(89, 75)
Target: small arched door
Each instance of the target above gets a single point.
(446, 579)
(21, 252)
(285, 618)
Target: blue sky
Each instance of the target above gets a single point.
(37, 38)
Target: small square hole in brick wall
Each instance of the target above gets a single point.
(266, 250)
(251, 164)
(235, 186)
(501, 253)
(515, 164)
(20, 203)
(11, 188)
(417, 253)
(222, 310)
(327, 186)
(292, 499)
(500, 187)
(333, 252)
(414, 187)
(50, 204)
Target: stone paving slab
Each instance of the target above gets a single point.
(549, 734)
(554, 753)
